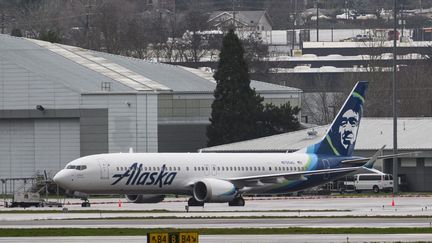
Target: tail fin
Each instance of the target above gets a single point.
(342, 134)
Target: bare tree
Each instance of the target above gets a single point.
(321, 107)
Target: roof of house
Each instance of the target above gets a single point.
(249, 18)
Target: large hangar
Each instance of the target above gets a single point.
(415, 170)
(61, 102)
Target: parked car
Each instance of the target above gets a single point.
(373, 182)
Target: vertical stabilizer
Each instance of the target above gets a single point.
(341, 137)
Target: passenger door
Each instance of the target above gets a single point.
(104, 170)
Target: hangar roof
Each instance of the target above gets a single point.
(85, 70)
(413, 134)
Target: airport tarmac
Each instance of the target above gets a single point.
(294, 238)
(195, 223)
(270, 207)
(171, 213)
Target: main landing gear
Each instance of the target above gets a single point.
(194, 203)
(85, 203)
(237, 202)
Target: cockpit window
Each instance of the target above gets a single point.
(81, 167)
(76, 167)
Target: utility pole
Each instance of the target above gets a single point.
(2, 21)
(294, 25)
(233, 11)
(317, 21)
(395, 160)
(402, 21)
(88, 24)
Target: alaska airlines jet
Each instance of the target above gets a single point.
(224, 177)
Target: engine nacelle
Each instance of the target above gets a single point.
(145, 198)
(214, 190)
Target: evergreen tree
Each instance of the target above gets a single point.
(236, 107)
(50, 36)
(237, 111)
(278, 119)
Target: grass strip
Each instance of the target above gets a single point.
(203, 231)
(257, 217)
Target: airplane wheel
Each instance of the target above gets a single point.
(85, 204)
(237, 202)
(192, 202)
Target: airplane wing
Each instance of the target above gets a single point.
(299, 175)
(280, 177)
(364, 160)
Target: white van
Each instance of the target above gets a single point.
(374, 182)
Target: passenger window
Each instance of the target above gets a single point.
(178, 168)
(206, 168)
(269, 168)
(218, 168)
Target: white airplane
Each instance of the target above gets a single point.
(224, 177)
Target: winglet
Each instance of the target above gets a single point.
(372, 160)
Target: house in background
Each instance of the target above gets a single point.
(243, 20)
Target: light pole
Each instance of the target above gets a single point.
(395, 159)
(317, 21)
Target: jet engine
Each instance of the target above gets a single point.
(214, 190)
(145, 198)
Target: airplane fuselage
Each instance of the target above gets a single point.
(175, 173)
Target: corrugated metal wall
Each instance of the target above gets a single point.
(31, 145)
(132, 120)
(21, 89)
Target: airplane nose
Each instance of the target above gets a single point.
(60, 178)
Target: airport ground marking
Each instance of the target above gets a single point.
(19, 232)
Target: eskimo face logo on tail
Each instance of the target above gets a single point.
(136, 176)
(348, 128)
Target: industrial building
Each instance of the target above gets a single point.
(61, 102)
(415, 170)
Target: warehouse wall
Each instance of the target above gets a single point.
(22, 89)
(31, 145)
(132, 120)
